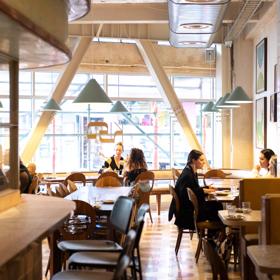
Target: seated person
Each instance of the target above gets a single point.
(115, 162)
(31, 168)
(272, 166)
(24, 177)
(208, 210)
(262, 169)
(136, 164)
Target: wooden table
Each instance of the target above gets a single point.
(91, 194)
(265, 258)
(253, 218)
(26, 224)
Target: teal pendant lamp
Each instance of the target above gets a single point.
(92, 93)
(1, 105)
(210, 107)
(118, 108)
(51, 106)
(239, 96)
(222, 103)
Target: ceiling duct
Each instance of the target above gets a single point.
(193, 22)
(248, 10)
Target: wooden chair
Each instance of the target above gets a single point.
(144, 184)
(175, 175)
(75, 177)
(33, 188)
(180, 230)
(62, 190)
(218, 267)
(72, 186)
(107, 181)
(202, 227)
(215, 173)
(109, 173)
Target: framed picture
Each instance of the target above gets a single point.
(273, 107)
(261, 123)
(261, 58)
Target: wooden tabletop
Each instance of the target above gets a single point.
(33, 219)
(265, 258)
(99, 195)
(253, 218)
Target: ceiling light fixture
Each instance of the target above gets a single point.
(210, 108)
(239, 96)
(222, 103)
(118, 108)
(196, 25)
(51, 106)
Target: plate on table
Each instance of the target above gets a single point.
(235, 217)
(222, 193)
(108, 201)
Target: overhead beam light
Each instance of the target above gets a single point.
(196, 25)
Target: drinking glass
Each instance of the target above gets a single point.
(231, 209)
(246, 207)
(233, 190)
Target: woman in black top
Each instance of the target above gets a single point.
(136, 164)
(208, 210)
(115, 162)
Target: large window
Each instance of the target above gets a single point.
(149, 125)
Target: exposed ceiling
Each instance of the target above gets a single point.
(149, 19)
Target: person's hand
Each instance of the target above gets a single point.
(209, 190)
(258, 167)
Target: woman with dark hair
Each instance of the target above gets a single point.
(262, 169)
(208, 210)
(136, 164)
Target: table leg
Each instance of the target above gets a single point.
(158, 198)
(55, 254)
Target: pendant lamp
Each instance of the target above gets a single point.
(92, 93)
(118, 108)
(210, 107)
(51, 106)
(222, 103)
(239, 96)
(1, 105)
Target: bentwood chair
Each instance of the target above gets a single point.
(33, 188)
(202, 227)
(180, 230)
(144, 184)
(108, 181)
(175, 175)
(75, 177)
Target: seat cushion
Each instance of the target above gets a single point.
(89, 245)
(94, 259)
(83, 275)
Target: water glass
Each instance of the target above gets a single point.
(233, 190)
(231, 209)
(246, 207)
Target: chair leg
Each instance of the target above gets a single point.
(199, 247)
(191, 235)
(150, 213)
(178, 242)
(139, 263)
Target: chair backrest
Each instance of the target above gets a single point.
(61, 190)
(33, 188)
(72, 186)
(252, 189)
(141, 193)
(194, 201)
(175, 197)
(107, 181)
(122, 213)
(121, 267)
(75, 177)
(146, 176)
(270, 219)
(143, 209)
(84, 224)
(217, 265)
(175, 175)
(108, 173)
(215, 173)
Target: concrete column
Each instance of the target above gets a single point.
(165, 88)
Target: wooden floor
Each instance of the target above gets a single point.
(158, 255)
